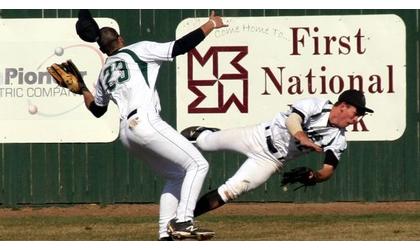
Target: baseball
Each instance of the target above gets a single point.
(285, 189)
(59, 51)
(32, 109)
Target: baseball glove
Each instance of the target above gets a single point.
(68, 76)
(301, 175)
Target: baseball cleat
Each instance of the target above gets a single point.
(167, 238)
(188, 231)
(192, 133)
(200, 236)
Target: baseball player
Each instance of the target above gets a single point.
(309, 125)
(128, 78)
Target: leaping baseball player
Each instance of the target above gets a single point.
(128, 78)
(310, 125)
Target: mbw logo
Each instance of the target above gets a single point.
(221, 75)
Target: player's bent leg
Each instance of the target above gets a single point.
(159, 139)
(233, 189)
(248, 177)
(239, 140)
(219, 197)
(182, 156)
(192, 133)
(208, 202)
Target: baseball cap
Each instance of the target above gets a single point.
(357, 99)
(86, 27)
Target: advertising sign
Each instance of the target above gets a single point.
(246, 73)
(33, 107)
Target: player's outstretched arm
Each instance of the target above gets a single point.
(192, 39)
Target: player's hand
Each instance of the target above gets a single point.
(216, 20)
(305, 141)
(310, 144)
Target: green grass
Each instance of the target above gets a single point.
(77, 228)
(282, 227)
(320, 227)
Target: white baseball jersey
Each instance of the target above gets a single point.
(128, 77)
(270, 145)
(315, 113)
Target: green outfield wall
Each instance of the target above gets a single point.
(73, 173)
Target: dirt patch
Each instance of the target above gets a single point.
(229, 209)
(319, 208)
(83, 210)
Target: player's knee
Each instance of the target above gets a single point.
(201, 165)
(202, 141)
(204, 167)
(232, 190)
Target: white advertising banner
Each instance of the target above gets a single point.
(33, 107)
(246, 73)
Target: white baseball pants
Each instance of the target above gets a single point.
(173, 157)
(250, 141)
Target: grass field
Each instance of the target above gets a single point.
(251, 222)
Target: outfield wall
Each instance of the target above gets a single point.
(378, 168)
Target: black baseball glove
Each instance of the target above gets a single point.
(302, 175)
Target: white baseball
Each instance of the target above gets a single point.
(32, 109)
(285, 189)
(59, 51)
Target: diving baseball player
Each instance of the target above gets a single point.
(310, 125)
(128, 78)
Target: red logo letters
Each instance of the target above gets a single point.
(218, 80)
